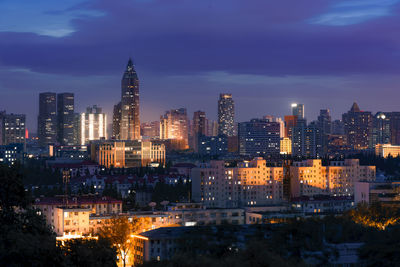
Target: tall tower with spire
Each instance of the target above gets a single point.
(130, 123)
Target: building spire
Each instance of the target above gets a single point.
(129, 67)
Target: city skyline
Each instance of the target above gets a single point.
(264, 66)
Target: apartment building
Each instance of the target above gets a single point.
(253, 183)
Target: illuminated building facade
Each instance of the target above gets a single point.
(130, 122)
(65, 119)
(226, 115)
(12, 128)
(93, 125)
(47, 119)
(298, 110)
(290, 122)
(259, 137)
(127, 154)
(358, 128)
(174, 126)
(381, 133)
(384, 150)
(116, 123)
(150, 130)
(286, 146)
(254, 183)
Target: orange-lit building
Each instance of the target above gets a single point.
(384, 150)
(290, 122)
(174, 126)
(127, 154)
(254, 183)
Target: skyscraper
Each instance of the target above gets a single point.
(12, 128)
(130, 123)
(199, 128)
(47, 119)
(325, 126)
(259, 137)
(226, 115)
(298, 110)
(116, 123)
(381, 129)
(65, 119)
(358, 127)
(93, 125)
(174, 127)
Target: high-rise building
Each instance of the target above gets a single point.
(381, 133)
(65, 119)
(290, 122)
(358, 128)
(325, 126)
(278, 120)
(226, 115)
(12, 128)
(394, 118)
(174, 127)
(116, 123)
(338, 127)
(150, 130)
(199, 128)
(130, 122)
(298, 110)
(259, 137)
(306, 140)
(93, 125)
(47, 119)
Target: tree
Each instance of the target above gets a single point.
(89, 252)
(118, 231)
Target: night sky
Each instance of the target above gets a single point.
(268, 54)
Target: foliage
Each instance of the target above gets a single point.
(89, 252)
(173, 193)
(376, 216)
(118, 231)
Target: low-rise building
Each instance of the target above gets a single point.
(384, 150)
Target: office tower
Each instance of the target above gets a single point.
(130, 123)
(116, 123)
(65, 119)
(150, 130)
(93, 125)
(199, 128)
(226, 115)
(127, 154)
(358, 127)
(325, 125)
(290, 122)
(12, 128)
(271, 118)
(307, 140)
(47, 119)
(77, 128)
(338, 127)
(381, 129)
(212, 128)
(394, 118)
(259, 137)
(213, 145)
(174, 127)
(298, 110)
(199, 123)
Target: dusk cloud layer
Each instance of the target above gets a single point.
(323, 53)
